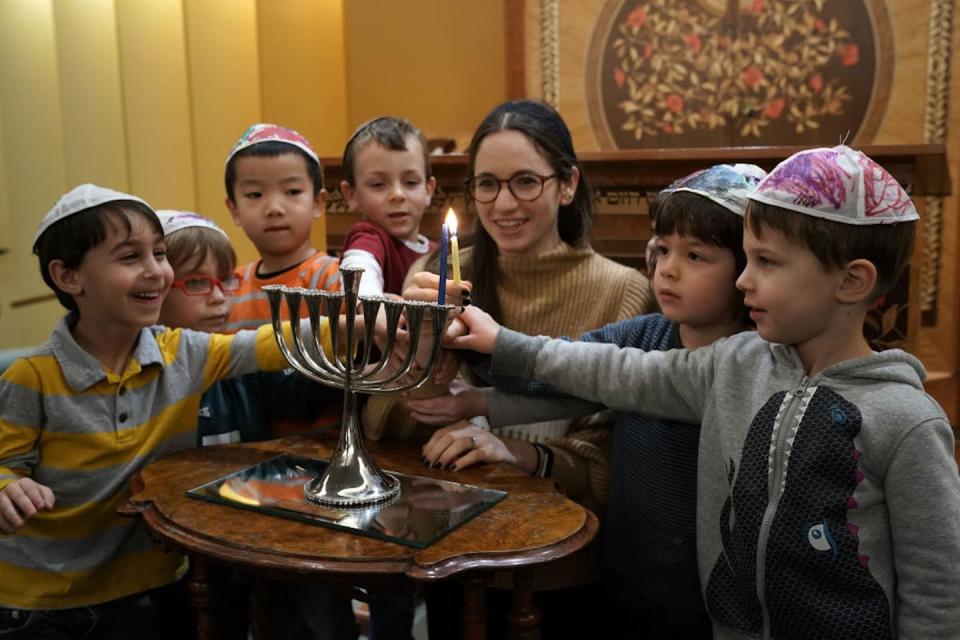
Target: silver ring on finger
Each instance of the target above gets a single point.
(473, 442)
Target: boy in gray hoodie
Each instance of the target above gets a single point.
(828, 495)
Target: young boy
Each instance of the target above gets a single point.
(647, 466)
(388, 181)
(275, 191)
(240, 408)
(106, 395)
(828, 496)
(204, 283)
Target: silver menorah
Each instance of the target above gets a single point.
(352, 479)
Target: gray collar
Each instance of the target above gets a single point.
(80, 369)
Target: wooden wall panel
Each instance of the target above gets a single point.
(32, 146)
(224, 94)
(302, 53)
(95, 145)
(153, 65)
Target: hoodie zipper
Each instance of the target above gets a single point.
(782, 432)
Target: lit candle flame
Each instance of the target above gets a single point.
(451, 221)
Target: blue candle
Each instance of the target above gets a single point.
(444, 248)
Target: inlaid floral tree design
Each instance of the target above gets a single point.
(683, 68)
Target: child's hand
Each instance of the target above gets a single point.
(462, 445)
(449, 408)
(20, 501)
(483, 331)
(425, 285)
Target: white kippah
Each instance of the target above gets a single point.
(80, 199)
(174, 221)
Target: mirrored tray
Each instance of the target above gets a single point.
(426, 509)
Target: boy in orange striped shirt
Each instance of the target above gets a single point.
(275, 191)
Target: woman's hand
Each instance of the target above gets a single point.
(463, 444)
(449, 408)
(425, 285)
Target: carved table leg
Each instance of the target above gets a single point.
(524, 617)
(201, 597)
(259, 619)
(474, 606)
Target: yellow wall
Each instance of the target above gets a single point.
(148, 96)
(439, 63)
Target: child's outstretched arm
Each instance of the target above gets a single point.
(20, 500)
(668, 384)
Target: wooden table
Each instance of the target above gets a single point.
(533, 525)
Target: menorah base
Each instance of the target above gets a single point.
(327, 493)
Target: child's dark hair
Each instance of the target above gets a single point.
(389, 132)
(887, 246)
(544, 127)
(688, 214)
(188, 248)
(70, 239)
(271, 149)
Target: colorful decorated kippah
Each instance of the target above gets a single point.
(81, 198)
(174, 221)
(263, 132)
(729, 185)
(838, 184)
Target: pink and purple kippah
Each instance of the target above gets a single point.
(264, 132)
(838, 184)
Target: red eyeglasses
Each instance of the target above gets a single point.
(203, 285)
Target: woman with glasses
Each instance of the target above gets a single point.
(531, 266)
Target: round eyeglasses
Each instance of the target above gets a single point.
(524, 187)
(203, 285)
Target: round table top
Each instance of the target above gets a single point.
(534, 524)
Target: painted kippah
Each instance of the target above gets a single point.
(174, 221)
(81, 198)
(729, 185)
(263, 132)
(838, 184)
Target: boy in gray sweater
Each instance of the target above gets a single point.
(828, 495)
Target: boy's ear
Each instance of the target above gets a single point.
(232, 207)
(859, 281)
(349, 196)
(319, 203)
(431, 187)
(67, 280)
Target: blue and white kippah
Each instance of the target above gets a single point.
(729, 185)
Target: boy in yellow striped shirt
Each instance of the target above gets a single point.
(104, 396)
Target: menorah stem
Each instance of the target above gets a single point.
(351, 478)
